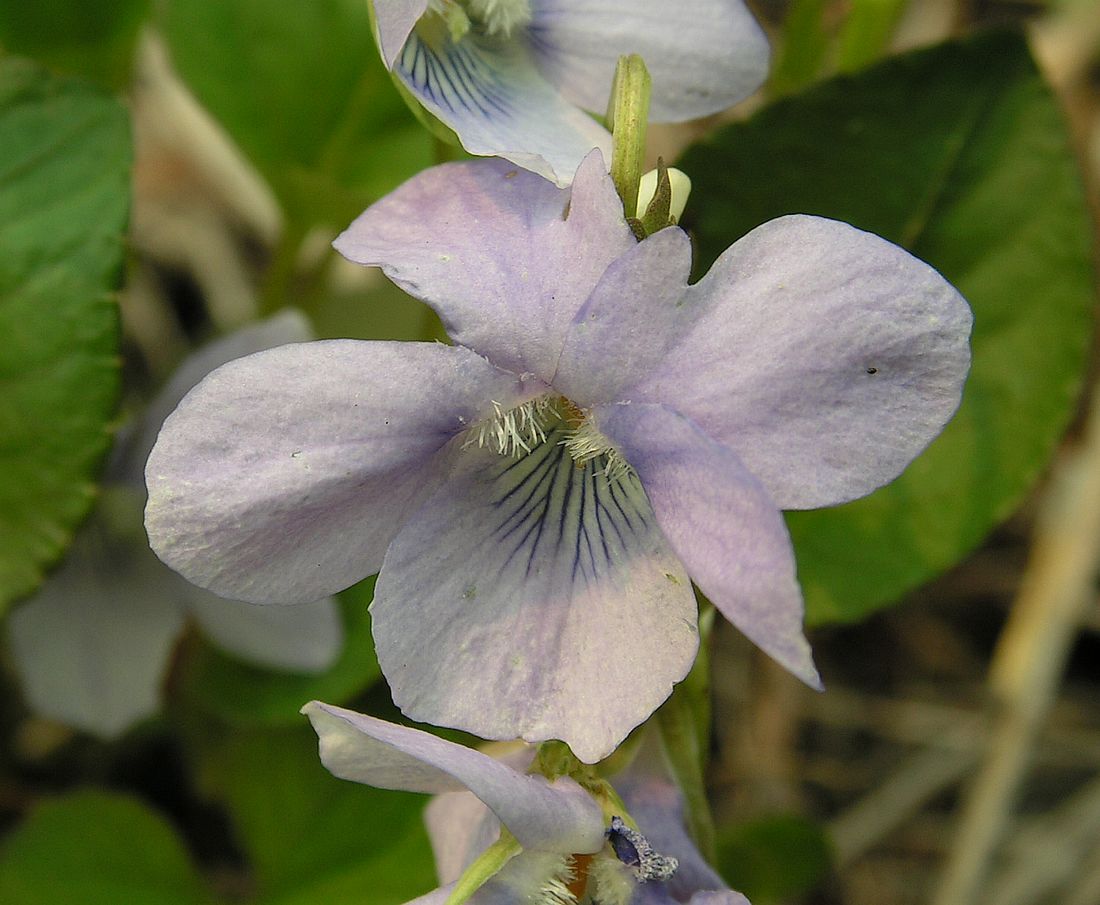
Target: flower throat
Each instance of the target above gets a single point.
(516, 431)
(495, 18)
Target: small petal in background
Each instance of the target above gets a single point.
(91, 647)
(513, 78)
(571, 851)
(537, 496)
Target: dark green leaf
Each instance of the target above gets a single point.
(64, 200)
(243, 694)
(311, 837)
(302, 90)
(959, 154)
(92, 848)
(90, 39)
(774, 859)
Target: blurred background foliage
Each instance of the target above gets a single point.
(173, 170)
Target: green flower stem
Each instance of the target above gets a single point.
(487, 866)
(684, 724)
(281, 271)
(627, 117)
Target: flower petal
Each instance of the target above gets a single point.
(543, 587)
(91, 647)
(493, 96)
(305, 638)
(460, 828)
(702, 55)
(489, 248)
(558, 817)
(825, 357)
(721, 523)
(395, 20)
(283, 475)
(288, 326)
(657, 806)
(613, 340)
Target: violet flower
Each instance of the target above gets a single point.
(570, 851)
(512, 78)
(92, 645)
(537, 495)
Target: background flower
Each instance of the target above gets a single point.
(477, 794)
(513, 78)
(91, 647)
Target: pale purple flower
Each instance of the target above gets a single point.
(92, 645)
(538, 495)
(477, 794)
(512, 78)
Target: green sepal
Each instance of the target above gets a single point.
(684, 725)
(658, 214)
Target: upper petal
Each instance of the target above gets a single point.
(490, 248)
(537, 598)
(721, 523)
(826, 357)
(558, 817)
(702, 55)
(283, 475)
(306, 638)
(498, 103)
(614, 340)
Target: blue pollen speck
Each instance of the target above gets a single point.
(634, 850)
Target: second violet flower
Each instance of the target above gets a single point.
(537, 495)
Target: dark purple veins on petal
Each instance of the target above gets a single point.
(550, 506)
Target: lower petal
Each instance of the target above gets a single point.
(534, 597)
(721, 522)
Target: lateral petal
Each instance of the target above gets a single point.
(283, 475)
(721, 523)
(826, 357)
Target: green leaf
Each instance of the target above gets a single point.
(244, 695)
(95, 40)
(311, 837)
(64, 199)
(95, 848)
(774, 859)
(301, 88)
(959, 154)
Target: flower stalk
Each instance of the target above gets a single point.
(487, 866)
